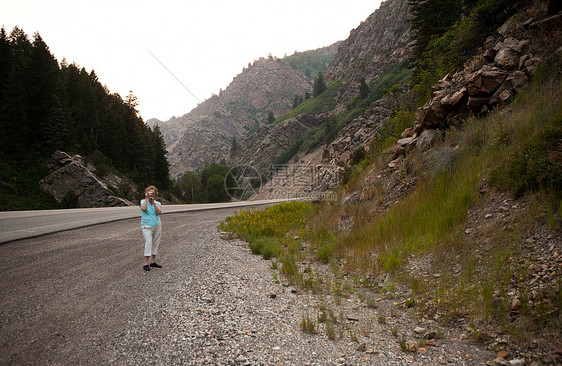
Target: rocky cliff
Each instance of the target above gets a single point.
(259, 149)
(205, 134)
(382, 40)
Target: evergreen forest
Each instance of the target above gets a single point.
(47, 106)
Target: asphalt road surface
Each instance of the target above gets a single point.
(15, 225)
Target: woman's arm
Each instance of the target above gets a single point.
(157, 208)
(143, 205)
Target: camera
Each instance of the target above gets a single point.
(151, 193)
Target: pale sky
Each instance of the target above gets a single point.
(204, 44)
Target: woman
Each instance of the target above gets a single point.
(151, 226)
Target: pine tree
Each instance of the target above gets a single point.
(131, 101)
(45, 87)
(162, 169)
(14, 117)
(363, 89)
(319, 86)
(270, 117)
(234, 146)
(297, 100)
(432, 18)
(5, 60)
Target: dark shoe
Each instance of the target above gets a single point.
(146, 267)
(155, 265)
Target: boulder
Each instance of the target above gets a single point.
(485, 81)
(502, 97)
(71, 177)
(508, 53)
(512, 85)
(408, 132)
(453, 99)
(489, 54)
(507, 58)
(431, 115)
(404, 141)
(427, 139)
(439, 159)
(512, 44)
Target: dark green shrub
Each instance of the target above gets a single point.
(537, 165)
(392, 129)
(357, 155)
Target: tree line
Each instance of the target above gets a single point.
(211, 184)
(45, 106)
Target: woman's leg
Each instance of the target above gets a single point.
(157, 234)
(147, 232)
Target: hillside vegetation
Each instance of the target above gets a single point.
(309, 63)
(398, 74)
(468, 234)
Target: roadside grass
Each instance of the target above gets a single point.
(274, 233)
(273, 222)
(418, 223)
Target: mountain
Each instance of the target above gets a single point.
(205, 135)
(382, 40)
(313, 62)
(379, 46)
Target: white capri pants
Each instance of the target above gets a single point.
(152, 236)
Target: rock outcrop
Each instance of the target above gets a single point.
(359, 132)
(259, 149)
(70, 177)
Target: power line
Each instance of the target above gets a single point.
(171, 73)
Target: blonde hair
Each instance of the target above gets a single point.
(149, 188)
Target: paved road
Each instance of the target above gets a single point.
(15, 225)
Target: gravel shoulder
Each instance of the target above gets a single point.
(81, 297)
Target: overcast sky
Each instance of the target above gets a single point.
(158, 49)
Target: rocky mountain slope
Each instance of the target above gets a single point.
(382, 40)
(260, 148)
(205, 134)
(489, 80)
